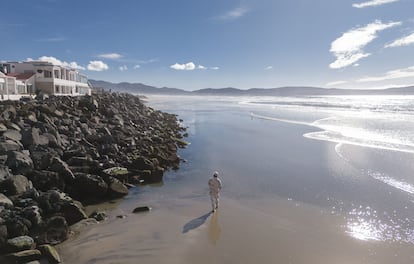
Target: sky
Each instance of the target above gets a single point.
(194, 44)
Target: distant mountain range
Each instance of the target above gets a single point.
(139, 88)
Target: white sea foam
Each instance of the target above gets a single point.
(369, 121)
(401, 185)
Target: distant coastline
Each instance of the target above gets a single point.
(139, 88)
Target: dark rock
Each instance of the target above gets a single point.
(23, 256)
(47, 180)
(24, 202)
(50, 253)
(20, 243)
(99, 216)
(52, 140)
(32, 213)
(3, 236)
(51, 202)
(9, 145)
(152, 176)
(19, 162)
(121, 216)
(82, 161)
(4, 200)
(90, 186)
(116, 189)
(12, 135)
(141, 163)
(63, 169)
(16, 184)
(141, 209)
(56, 231)
(3, 128)
(17, 226)
(73, 212)
(4, 172)
(31, 137)
(42, 157)
(30, 194)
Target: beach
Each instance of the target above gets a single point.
(296, 189)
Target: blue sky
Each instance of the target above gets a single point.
(193, 44)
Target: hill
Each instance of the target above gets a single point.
(139, 88)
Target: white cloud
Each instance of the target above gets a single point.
(123, 68)
(373, 3)
(110, 56)
(233, 14)
(97, 66)
(348, 49)
(52, 39)
(215, 68)
(190, 66)
(148, 61)
(183, 67)
(390, 75)
(268, 68)
(404, 41)
(55, 61)
(335, 83)
(136, 67)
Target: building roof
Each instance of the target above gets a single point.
(21, 76)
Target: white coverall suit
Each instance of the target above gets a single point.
(215, 185)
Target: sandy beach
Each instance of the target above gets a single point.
(286, 199)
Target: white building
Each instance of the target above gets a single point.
(32, 76)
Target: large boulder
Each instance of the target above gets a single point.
(20, 243)
(19, 162)
(22, 256)
(16, 184)
(17, 226)
(55, 232)
(152, 176)
(90, 186)
(31, 137)
(52, 201)
(50, 253)
(5, 201)
(32, 213)
(47, 180)
(9, 145)
(73, 212)
(12, 134)
(119, 173)
(116, 189)
(141, 163)
(63, 169)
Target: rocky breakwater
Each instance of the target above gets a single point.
(59, 153)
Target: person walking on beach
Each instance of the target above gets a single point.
(214, 184)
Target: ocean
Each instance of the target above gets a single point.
(325, 179)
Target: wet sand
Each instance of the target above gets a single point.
(286, 199)
(255, 232)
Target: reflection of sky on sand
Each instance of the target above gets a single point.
(214, 229)
(365, 224)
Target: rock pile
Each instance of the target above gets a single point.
(60, 152)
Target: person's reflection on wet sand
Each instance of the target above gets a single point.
(214, 229)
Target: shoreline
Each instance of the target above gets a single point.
(60, 152)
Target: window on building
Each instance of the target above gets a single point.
(47, 74)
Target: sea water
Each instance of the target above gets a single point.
(380, 129)
(373, 186)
